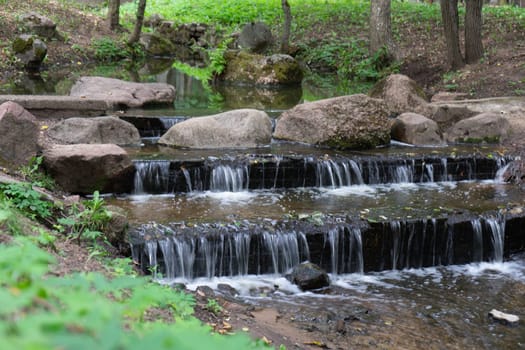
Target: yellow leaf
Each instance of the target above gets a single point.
(266, 340)
(316, 343)
(44, 127)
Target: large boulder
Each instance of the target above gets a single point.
(19, 135)
(246, 68)
(30, 51)
(401, 95)
(242, 128)
(84, 168)
(308, 276)
(94, 130)
(156, 45)
(125, 93)
(39, 25)
(416, 129)
(255, 37)
(346, 122)
(485, 127)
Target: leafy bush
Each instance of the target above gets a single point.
(23, 197)
(88, 311)
(110, 50)
(34, 174)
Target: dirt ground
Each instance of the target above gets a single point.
(500, 73)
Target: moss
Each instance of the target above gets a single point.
(477, 140)
(358, 143)
(21, 45)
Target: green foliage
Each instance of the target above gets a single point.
(110, 50)
(8, 220)
(213, 306)
(87, 222)
(87, 311)
(23, 197)
(33, 173)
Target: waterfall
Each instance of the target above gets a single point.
(283, 249)
(477, 240)
(497, 236)
(151, 175)
(333, 174)
(168, 122)
(342, 259)
(225, 178)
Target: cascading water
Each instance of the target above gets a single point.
(477, 241)
(497, 236)
(151, 174)
(225, 178)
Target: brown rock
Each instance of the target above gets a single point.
(416, 129)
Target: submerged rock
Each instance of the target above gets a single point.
(246, 68)
(242, 128)
(504, 318)
(125, 93)
(308, 276)
(85, 168)
(94, 130)
(346, 122)
(485, 127)
(19, 134)
(416, 129)
(30, 51)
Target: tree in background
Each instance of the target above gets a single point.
(473, 25)
(285, 47)
(450, 17)
(114, 14)
(135, 36)
(473, 43)
(381, 28)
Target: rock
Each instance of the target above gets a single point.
(247, 68)
(484, 127)
(19, 135)
(84, 168)
(40, 25)
(447, 115)
(445, 96)
(401, 94)
(346, 122)
(241, 128)
(30, 51)
(504, 318)
(125, 93)
(255, 37)
(514, 172)
(156, 45)
(154, 20)
(416, 129)
(308, 276)
(260, 97)
(94, 130)
(116, 229)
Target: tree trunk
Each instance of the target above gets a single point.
(381, 27)
(473, 23)
(285, 48)
(114, 14)
(135, 36)
(449, 14)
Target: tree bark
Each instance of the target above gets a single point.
(449, 15)
(135, 36)
(114, 14)
(285, 46)
(473, 24)
(381, 27)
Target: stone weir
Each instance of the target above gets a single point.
(153, 127)
(253, 172)
(339, 245)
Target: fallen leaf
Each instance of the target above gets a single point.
(317, 343)
(266, 340)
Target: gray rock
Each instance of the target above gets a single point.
(255, 37)
(247, 68)
(401, 94)
(84, 168)
(416, 129)
(445, 96)
(484, 127)
(40, 25)
(447, 115)
(242, 128)
(19, 135)
(94, 130)
(514, 172)
(308, 276)
(116, 229)
(30, 51)
(128, 94)
(346, 122)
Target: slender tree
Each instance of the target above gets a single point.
(285, 47)
(449, 14)
(114, 14)
(381, 27)
(135, 36)
(473, 42)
